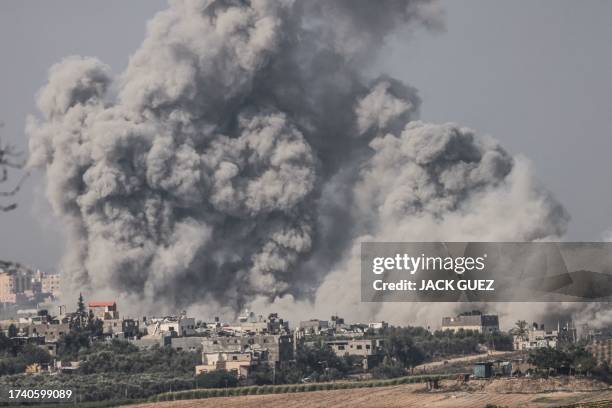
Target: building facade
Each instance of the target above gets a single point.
(474, 321)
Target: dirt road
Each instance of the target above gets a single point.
(464, 359)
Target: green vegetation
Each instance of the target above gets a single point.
(571, 360)
(216, 379)
(447, 343)
(275, 389)
(123, 357)
(103, 387)
(14, 358)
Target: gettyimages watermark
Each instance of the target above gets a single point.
(486, 271)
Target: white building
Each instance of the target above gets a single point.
(171, 325)
(537, 338)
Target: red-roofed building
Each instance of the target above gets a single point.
(104, 310)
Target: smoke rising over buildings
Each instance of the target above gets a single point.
(244, 154)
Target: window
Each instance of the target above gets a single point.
(367, 346)
(215, 342)
(235, 358)
(359, 347)
(340, 347)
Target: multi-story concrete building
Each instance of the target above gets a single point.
(279, 346)
(601, 350)
(51, 284)
(14, 285)
(369, 350)
(475, 321)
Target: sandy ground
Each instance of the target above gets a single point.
(474, 395)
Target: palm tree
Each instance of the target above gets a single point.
(520, 328)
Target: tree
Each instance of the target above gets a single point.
(81, 305)
(388, 369)
(10, 159)
(319, 360)
(583, 361)
(401, 348)
(263, 375)
(12, 331)
(548, 359)
(216, 379)
(520, 328)
(80, 319)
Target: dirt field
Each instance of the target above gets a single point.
(510, 393)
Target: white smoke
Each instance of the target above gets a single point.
(246, 156)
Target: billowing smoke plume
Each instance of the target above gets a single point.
(246, 154)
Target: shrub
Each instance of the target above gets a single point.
(216, 379)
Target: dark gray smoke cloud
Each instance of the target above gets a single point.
(246, 153)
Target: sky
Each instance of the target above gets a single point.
(535, 76)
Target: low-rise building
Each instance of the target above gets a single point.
(238, 362)
(475, 321)
(186, 343)
(250, 324)
(180, 325)
(536, 338)
(354, 347)
(279, 346)
(314, 326)
(104, 310)
(378, 326)
(145, 343)
(51, 332)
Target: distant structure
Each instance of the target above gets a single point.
(20, 286)
(173, 326)
(314, 326)
(50, 283)
(104, 310)
(474, 320)
(539, 337)
(601, 350)
(238, 362)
